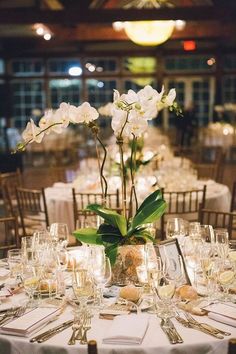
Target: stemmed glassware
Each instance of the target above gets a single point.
(222, 243)
(15, 262)
(60, 233)
(30, 279)
(165, 290)
(226, 277)
(101, 273)
(82, 287)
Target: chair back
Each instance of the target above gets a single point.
(9, 182)
(9, 234)
(233, 199)
(184, 204)
(81, 200)
(32, 209)
(218, 219)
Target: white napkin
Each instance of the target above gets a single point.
(29, 322)
(222, 312)
(223, 319)
(127, 329)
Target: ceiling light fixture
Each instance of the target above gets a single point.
(149, 33)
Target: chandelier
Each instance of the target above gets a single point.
(148, 33)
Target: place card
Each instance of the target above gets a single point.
(222, 309)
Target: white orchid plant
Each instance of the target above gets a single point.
(130, 115)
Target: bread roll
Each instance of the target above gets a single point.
(130, 292)
(186, 292)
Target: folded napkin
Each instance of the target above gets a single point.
(225, 313)
(29, 322)
(223, 319)
(127, 329)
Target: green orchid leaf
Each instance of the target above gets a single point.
(149, 213)
(88, 235)
(156, 195)
(109, 234)
(110, 216)
(111, 252)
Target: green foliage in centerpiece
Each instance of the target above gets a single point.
(116, 231)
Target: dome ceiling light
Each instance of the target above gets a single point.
(148, 33)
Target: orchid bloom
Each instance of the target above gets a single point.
(86, 113)
(65, 114)
(136, 125)
(31, 132)
(49, 123)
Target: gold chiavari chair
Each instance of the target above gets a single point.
(233, 199)
(184, 204)
(218, 219)
(81, 200)
(9, 182)
(32, 209)
(9, 234)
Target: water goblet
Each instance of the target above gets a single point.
(226, 278)
(165, 290)
(82, 287)
(60, 233)
(102, 275)
(30, 282)
(15, 262)
(222, 243)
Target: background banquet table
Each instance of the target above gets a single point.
(60, 202)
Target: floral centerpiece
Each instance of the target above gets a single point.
(130, 115)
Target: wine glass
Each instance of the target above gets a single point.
(60, 233)
(102, 275)
(222, 243)
(29, 249)
(174, 227)
(15, 262)
(165, 290)
(82, 287)
(194, 230)
(175, 269)
(207, 233)
(226, 278)
(30, 279)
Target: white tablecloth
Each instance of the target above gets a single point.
(60, 203)
(155, 341)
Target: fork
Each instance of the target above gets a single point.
(205, 325)
(192, 325)
(12, 314)
(86, 328)
(75, 328)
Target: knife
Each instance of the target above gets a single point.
(49, 333)
(167, 331)
(175, 332)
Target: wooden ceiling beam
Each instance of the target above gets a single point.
(98, 32)
(78, 15)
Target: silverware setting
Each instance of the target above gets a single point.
(186, 323)
(11, 314)
(168, 331)
(51, 332)
(206, 325)
(80, 328)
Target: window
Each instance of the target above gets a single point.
(100, 65)
(2, 67)
(229, 62)
(140, 65)
(201, 97)
(191, 63)
(138, 83)
(65, 90)
(28, 95)
(229, 89)
(100, 91)
(27, 67)
(70, 67)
